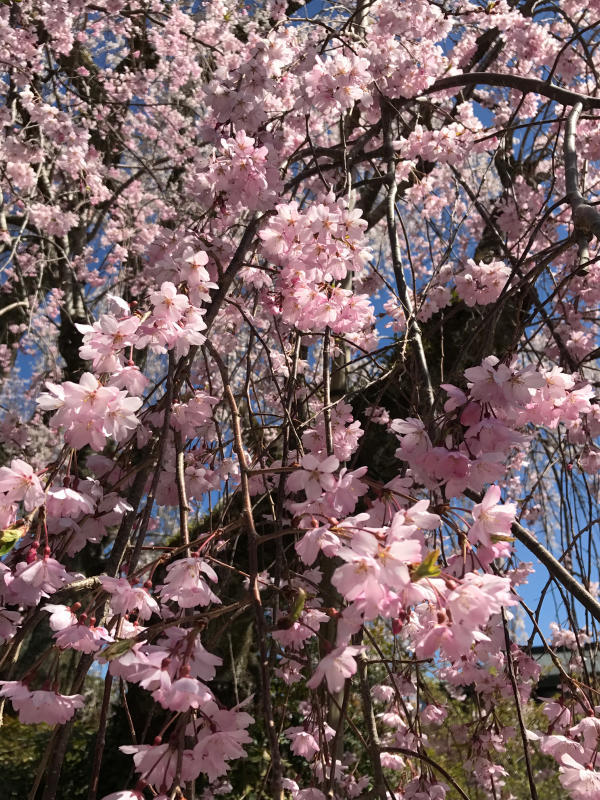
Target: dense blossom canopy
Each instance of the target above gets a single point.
(298, 360)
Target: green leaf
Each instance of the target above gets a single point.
(8, 539)
(500, 537)
(295, 610)
(428, 568)
(117, 649)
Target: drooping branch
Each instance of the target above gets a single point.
(506, 81)
(413, 330)
(586, 218)
(261, 630)
(554, 567)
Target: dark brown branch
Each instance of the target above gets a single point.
(554, 567)
(371, 726)
(438, 767)
(586, 218)
(513, 682)
(413, 329)
(534, 85)
(253, 538)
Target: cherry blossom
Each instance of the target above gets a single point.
(221, 740)
(490, 518)
(299, 316)
(125, 597)
(581, 783)
(185, 584)
(20, 482)
(41, 706)
(315, 476)
(157, 763)
(335, 668)
(36, 579)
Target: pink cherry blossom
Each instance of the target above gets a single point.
(221, 740)
(157, 764)
(41, 706)
(125, 597)
(182, 694)
(336, 667)
(580, 782)
(20, 482)
(184, 583)
(37, 579)
(315, 476)
(169, 305)
(61, 617)
(491, 519)
(87, 638)
(292, 300)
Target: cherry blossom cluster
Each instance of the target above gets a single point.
(481, 284)
(241, 172)
(476, 284)
(501, 399)
(316, 251)
(90, 412)
(228, 396)
(338, 81)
